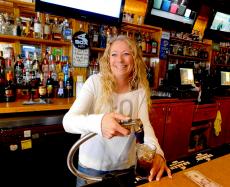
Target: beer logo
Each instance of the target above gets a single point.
(80, 40)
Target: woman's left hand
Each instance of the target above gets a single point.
(158, 168)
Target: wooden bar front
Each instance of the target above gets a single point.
(217, 170)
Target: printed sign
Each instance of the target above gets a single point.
(80, 50)
(164, 48)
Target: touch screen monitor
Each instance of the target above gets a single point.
(186, 76)
(225, 78)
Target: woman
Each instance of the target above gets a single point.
(119, 92)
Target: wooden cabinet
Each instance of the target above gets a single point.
(202, 124)
(172, 125)
(157, 117)
(183, 128)
(224, 136)
(205, 113)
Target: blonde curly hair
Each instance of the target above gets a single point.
(138, 78)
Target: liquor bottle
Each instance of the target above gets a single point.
(2, 85)
(150, 76)
(143, 43)
(50, 86)
(69, 86)
(182, 8)
(56, 30)
(95, 37)
(154, 46)
(28, 31)
(102, 37)
(18, 76)
(91, 66)
(37, 27)
(91, 34)
(52, 68)
(96, 67)
(10, 92)
(174, 7)
(19, 26)
(2, 23)
(2, 62)
(108, 35)
(148, 44)
(33, 86)
(66, 69)
(7, 27)
(8, 67)
(67, 31)
(42, 88)
(60, 92)
(138, 39)
(28, 66)
(45, 67)
(59, 66)
(47, 28)
(36, 66)
(114, 31)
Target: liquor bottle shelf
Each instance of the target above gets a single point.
(96, 49)
(192, 41)
(8, 38)
(222, 65)
(187, 57)
(130, 26)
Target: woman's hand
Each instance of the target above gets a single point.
(110, 126)
(159, 166)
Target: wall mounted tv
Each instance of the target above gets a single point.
(218, 28)
(177, 15)
(100, 11)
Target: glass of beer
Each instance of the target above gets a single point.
(145, 156)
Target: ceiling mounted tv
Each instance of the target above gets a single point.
(218, 28)
(100, 11)
(177, 15)
(221, 22)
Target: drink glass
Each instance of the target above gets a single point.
(145, 156)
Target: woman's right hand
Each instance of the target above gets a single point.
(110, 126)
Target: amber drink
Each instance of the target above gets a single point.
(145, 156)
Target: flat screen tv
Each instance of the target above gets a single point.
(98, 11)
(179, 15)
(221, 22)
(186, 76)
(218, 28)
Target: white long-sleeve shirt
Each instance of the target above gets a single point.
(98, 152)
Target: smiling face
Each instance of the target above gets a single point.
(121, 60)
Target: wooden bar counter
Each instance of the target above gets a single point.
(17, 106)
(217, 170)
